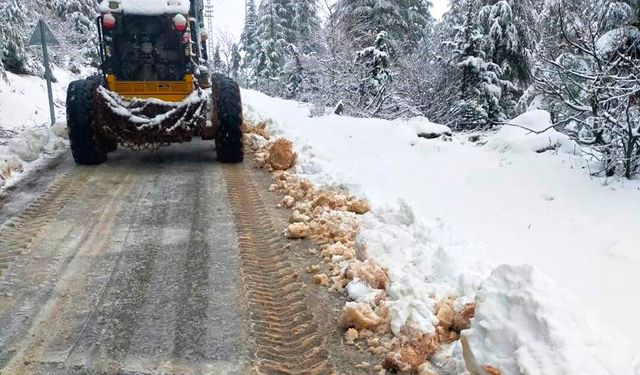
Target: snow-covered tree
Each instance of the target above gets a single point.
(509, 30)
(13, 51)
(216, 60)
(249, 44)
(236, 60)
(72, 21)
(419, 21)
(593, 85)
(286, 10)
(361, 20)
(294, 71)
(406, 22)
(376, 77)
(272, 36)
(307, 26)
(481, 85)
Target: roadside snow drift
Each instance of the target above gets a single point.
(446, 213)
(524, 325)
(25, 133)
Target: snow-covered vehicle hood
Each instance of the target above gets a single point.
(145, 7)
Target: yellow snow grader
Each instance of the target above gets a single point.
(154, 88)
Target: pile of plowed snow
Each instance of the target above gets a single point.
(515, 225)
(22, 151)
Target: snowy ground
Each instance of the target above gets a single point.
(448, 213)
(25, 132)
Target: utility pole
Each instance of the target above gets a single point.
(208, 14)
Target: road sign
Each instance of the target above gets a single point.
(42, 36)
(38, 35)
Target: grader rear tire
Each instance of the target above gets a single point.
(86, 145)
(229, 135)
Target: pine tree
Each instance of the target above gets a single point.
(236, 60)
(481, 87)
(216, 62)
(361, 20)
(455, 14)
(376, 77)
(294, 72)
(307, 26)
(444, 39)
(406, 22)
(272, 36)
(420, 22)
(508, 28)
(65, 7)
(286, 10)
(248, 41)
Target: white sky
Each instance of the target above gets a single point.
(229, 15)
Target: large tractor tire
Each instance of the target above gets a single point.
(229, 135)
(109, 144)
(86, 145)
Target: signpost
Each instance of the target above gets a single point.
(42, 36)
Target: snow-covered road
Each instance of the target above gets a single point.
(119, 270)
(159, 263)
(484, 206)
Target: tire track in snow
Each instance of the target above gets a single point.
(288, 340)
(19, 233)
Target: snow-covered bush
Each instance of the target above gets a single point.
(532, 131)
(593, 85)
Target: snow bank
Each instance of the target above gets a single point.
(145, 7)
(24, 102)
(532, 131)
(469, 209)
(32, 143)
(29, 146)
(524, 324)
(25, 136)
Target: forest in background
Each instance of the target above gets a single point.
(484, 63)
(72, 21)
